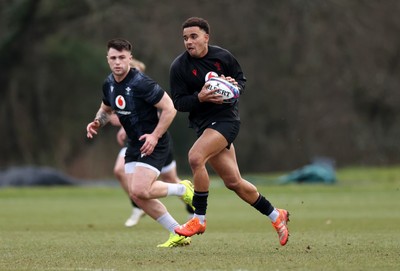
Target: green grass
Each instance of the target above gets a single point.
(352, 225)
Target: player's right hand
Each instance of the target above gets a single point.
(206, 95)
(91, 128)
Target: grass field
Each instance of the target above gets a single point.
(352, 225)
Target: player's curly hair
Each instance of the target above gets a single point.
(196, 21)
(119, 44)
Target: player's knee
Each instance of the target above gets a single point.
(232, 185)
(233, 182)
(132, 195)
(196, 160)
(137, 194)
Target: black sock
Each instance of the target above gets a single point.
(134, 204)
(263, 205)
(189, 209)
(200, 202)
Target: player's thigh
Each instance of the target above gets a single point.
(142, 179)
(225, 165)
(119, 166)
(168, 172)
(209, 144)
(170, 176)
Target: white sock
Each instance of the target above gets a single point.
(136, 209)
(168, 222)
(200, 217)
(175, 189)
(274, 215)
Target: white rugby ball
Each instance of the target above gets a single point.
(210, 75)
(229, 91)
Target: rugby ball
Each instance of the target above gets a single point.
(210, 75)
(229, 91)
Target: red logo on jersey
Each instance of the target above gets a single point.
(120, 102)
(194, 71)
(218, 66)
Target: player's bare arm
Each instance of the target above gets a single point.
(167, 114)
(101, 119)
(114, 120)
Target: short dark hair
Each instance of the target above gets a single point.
(196, 21)
(119, 45)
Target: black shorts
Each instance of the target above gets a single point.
(157, 159)
(170, 156)
(229, 129)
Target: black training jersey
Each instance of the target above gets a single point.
(133, 100)
(187, 77)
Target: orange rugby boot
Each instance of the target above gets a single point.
(192, 227)
(280, 226)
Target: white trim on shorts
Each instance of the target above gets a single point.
(169, 167)
(130, 167)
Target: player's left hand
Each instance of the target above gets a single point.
(230, 79)
(150, 142)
